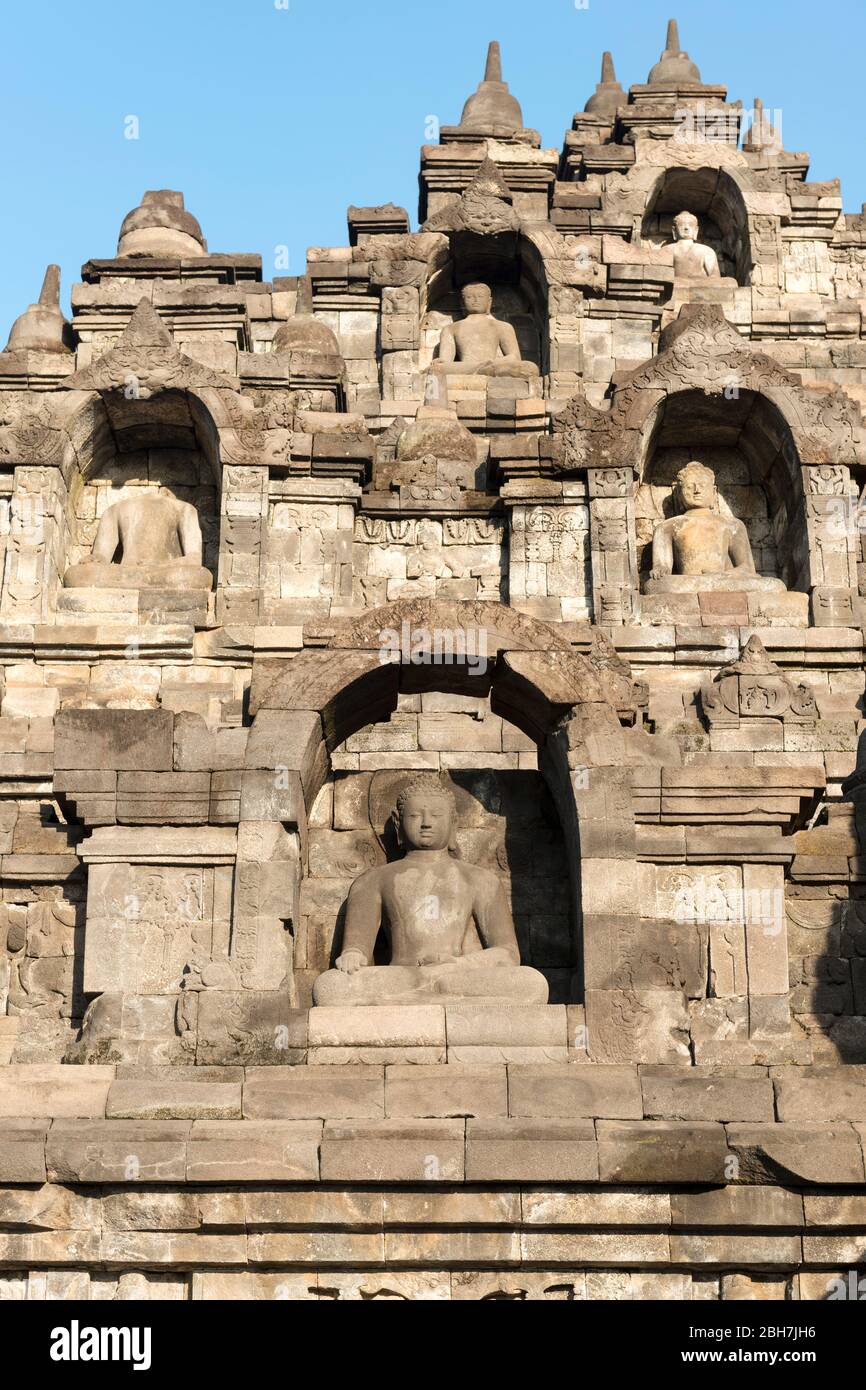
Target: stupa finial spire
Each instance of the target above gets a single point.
(675, 66)
(492, 108)
(608, 96)
(49, 295)
(493, 70)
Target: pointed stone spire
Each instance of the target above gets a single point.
(493, 70)
(762, 134)
(41, 328)
(608, 95)
(160, 226)
(145, 329)
(675, 66)
(492, 107)
(49, 295)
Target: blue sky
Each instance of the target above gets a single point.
(272, 119)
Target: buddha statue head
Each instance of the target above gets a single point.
(695, 487)
(477, 298)
(425, 815)
(686, 227)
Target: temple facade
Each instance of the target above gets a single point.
(430, 809)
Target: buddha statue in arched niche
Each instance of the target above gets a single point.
(699, 549)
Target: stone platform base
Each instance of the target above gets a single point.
(714, 584)
(431, 1182)
(164, 607)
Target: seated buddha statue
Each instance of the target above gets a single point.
(479, 344)
(692, 259)
(148, 541)
(449, 926)
(699, 550)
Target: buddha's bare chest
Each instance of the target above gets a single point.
(477, 339)
(702, 544)
(425, 904)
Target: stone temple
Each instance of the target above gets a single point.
(432, 843)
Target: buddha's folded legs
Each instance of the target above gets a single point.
(95, 574)
(403, 984)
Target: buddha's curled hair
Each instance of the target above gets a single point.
(426, 783)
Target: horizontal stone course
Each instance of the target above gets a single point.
(254, 1151)
(22, 1150)
(117, 1151)
(422, 1026)
(661, 1152)
(177, 1100)
(517, 1150)
(816, 1094)
(707, 1093)
(807, 1153)
(324, 1093)
(392, 1150)
(446, 1092)
(573, 1091)
(51, 1090)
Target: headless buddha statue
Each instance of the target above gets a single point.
(159, 543)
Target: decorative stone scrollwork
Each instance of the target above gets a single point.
(754, 687)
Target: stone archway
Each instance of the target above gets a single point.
(572, 705)
(808, 437)
(714, 195)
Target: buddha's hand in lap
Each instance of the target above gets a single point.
(351, 962)
(493, 956)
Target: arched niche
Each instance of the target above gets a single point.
(745, 440)
(569, 705)
(166, 442)
(715, 198)
(513, 268)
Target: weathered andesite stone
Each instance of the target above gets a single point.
(159, 544)
(449, 926)
(692, 261)
(481, 345)
(700, 550)
(432, 768)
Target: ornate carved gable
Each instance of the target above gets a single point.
(702, 351)
(583, 437)
(146, 355)
(485, 207)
